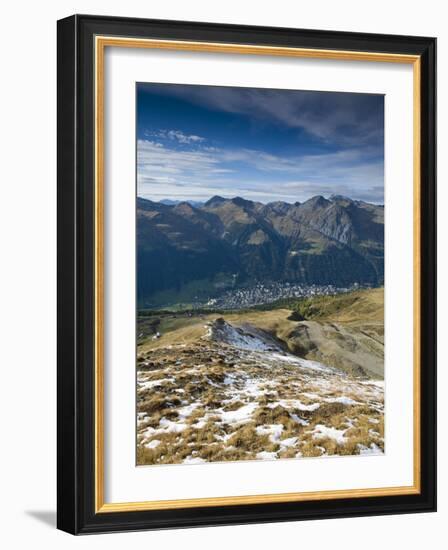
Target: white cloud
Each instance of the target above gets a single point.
(166, 172)
(175, 135)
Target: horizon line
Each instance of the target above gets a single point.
(330, 198)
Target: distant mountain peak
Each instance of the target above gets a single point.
(184, 206)
(340, 198)
(280, 207)
(278, 203)
(145, 203)
(168, 202)
(239, 201)
(317, 201)
(215, 201)
(233, 242)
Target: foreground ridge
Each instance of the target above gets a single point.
(235, 393)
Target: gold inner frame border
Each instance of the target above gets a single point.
(101, 42)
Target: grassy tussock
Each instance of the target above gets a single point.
(203, 400)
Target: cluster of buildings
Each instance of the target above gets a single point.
(265, 293)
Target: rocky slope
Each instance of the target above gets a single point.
(228, 242)
(345, 331)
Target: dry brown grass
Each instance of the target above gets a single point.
(196, 375)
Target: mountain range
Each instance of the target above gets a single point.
(183, 248)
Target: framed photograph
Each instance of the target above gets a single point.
(246, 271)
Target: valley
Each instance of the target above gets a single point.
(215, 250)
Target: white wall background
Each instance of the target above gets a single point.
(28, 270)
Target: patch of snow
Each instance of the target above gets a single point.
(144, 385)
(141, 418)
(322, 432)
(229, 380)
(240, 416)
(149, 432)
(252, 340)
(373, 421)
(294, 404)
(304, 363)
(273, 430)
(199, 424)
(344, 400)
(153, 444)
(223, 438)
(252, 388)
(184, 412)
(290, 442)
(311, 395)
(372, 450)
(169, 426)
(299, 420)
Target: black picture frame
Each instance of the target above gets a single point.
(76, 286)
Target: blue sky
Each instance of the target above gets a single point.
(194, 142)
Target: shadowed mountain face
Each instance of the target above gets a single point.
(232, 242)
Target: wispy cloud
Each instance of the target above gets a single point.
(175, 135)
(167, 171)
(263, 144)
